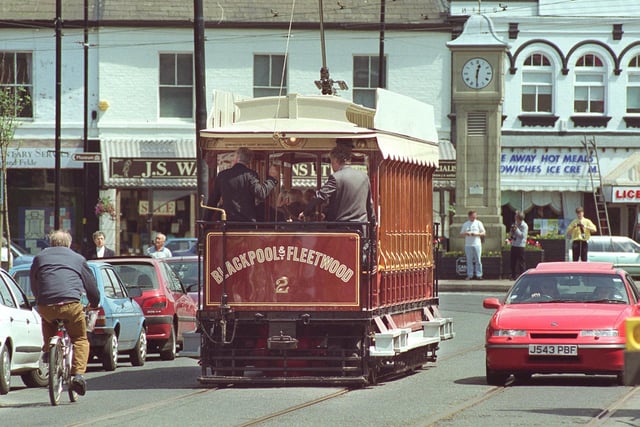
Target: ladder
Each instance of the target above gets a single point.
(604, 226)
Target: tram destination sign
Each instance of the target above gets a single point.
(152, 168)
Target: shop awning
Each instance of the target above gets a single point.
(408, 150)
(149, 163)
(626, 173)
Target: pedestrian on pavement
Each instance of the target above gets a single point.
(100, 251)
(239, 187)
(159, 250)
(518, 235)
(473, 232)
(59, 277)
(580, 231)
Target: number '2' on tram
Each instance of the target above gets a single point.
(285, 301)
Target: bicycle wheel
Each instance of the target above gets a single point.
(56, 373)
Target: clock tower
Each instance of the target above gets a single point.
(478, 69)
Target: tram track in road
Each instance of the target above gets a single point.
(136, 409)
(467, 404)
(604, 416)
(294, 408)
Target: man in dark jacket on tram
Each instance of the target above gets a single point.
(239, 187)
(347, 192)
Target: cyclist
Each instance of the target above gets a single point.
(59, 278)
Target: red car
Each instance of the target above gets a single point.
(168, 309)
(561, 317)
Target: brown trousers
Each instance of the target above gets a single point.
(74, 316)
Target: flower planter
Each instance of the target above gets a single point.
(451, 268)
(554, 249)
(531, 258)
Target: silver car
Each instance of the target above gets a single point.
(622, 251)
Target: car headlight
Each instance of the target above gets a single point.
(599, 333)
(509, 333)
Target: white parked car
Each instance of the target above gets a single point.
(20, 338)
(622, 251)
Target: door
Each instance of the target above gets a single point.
(124, 311)
(185, 307)
(24, 325)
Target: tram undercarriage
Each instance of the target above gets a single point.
(292, 348)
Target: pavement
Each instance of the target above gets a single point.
(484, 285)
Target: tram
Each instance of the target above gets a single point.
(289, 302)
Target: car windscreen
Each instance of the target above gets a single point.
(137, 275)
(187, 271)
(585, 288)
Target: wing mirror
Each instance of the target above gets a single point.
(491, 303)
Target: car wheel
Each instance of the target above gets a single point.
(496, 377)
(5, 371)
(110, 353)
(38, 377)
(168, 350)
(139, 352)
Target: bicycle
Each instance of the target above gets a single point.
(60, 358)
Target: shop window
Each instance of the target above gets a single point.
(16, 77)
(537, 84)
(365, 79)
(176, 85)
(269, 75)
(589, 85)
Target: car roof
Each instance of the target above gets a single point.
(610, 238)
(180, 258)
(574, 267)
(117, 259)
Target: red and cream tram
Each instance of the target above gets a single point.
(288, 302)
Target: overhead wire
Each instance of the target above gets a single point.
(300, 34)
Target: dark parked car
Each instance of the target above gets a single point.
(120, 325)
(168, 310)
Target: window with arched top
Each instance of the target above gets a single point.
(537, 84)
(589, 85)
(633, 85)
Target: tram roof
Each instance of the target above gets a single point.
(401, 128)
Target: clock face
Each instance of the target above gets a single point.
(477, 73)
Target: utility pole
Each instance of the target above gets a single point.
(56, 204)
(201, 101)
(381, 61)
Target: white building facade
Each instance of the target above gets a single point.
(571, 108)
(572, 79)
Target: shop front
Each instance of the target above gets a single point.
(152, 186)
(31, 191)
(622, 189)
(547, 184)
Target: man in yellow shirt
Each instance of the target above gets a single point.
(580, 231)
